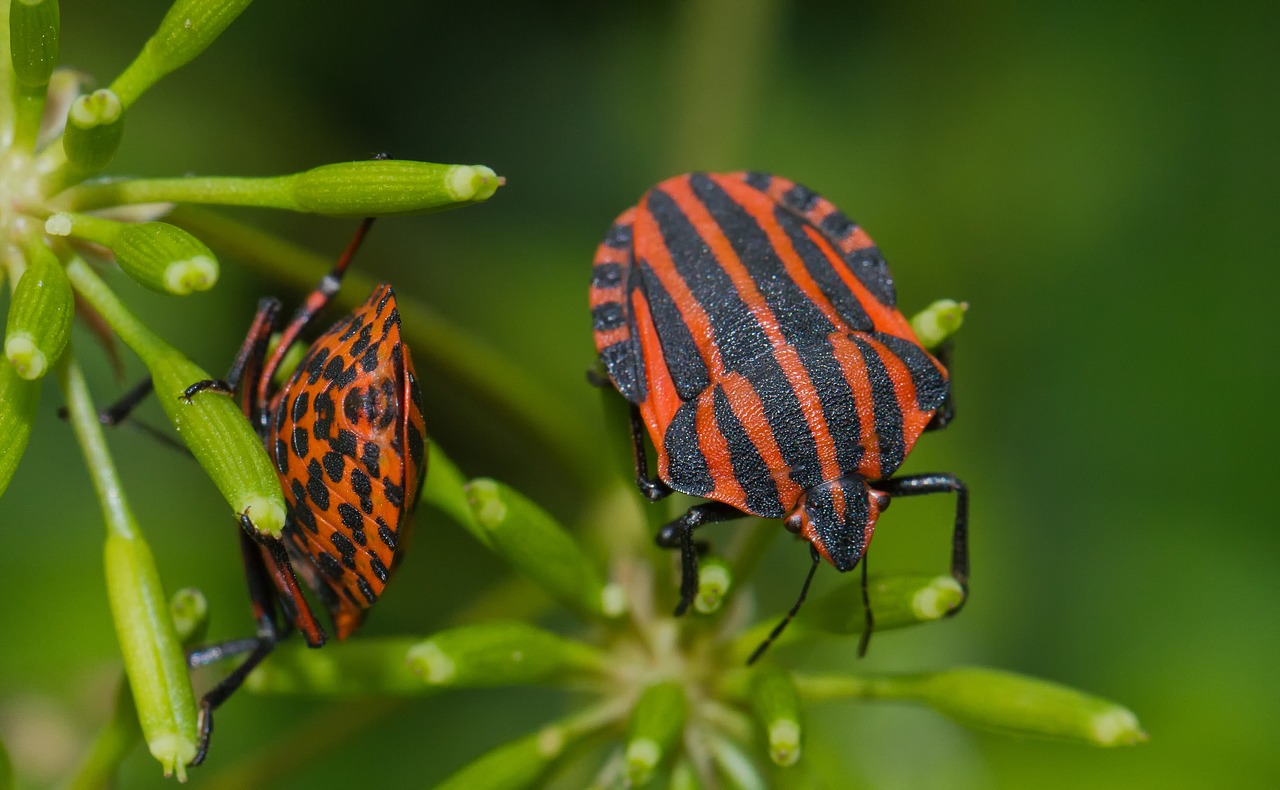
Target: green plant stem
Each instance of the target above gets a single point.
(466, 362)
(7, 108)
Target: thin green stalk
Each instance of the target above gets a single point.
(7, 108)
(460, 358)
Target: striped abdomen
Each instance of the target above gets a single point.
(755, 326)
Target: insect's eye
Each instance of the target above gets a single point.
(880, 500)
(794, 522)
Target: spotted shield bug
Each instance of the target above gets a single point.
(347, 436)
(753, 328)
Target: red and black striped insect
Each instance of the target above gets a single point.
(753, 328)
(347, 437)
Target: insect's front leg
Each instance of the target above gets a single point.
(941, 483)
(678, 534)
(653, 488)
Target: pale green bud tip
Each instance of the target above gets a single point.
(938, 321)
(1117, 727)
(472, 182)
(937, 599)
(613, 600)
(489, 509)
(173, 752)
(27, 359)
(266, 515)
(784, 742)
(193, 274)
(190, 610)
(59, 224)
(643, 755)
(99, 108)
(714, 581)
(551, 741)
(429, 661)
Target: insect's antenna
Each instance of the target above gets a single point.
(314, 303)
(780, 627)
(870, 622)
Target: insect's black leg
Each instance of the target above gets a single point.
(938, 483)
(272, 587)
(947, 411)
(269, 632)
(208, 385)
(795, 608)
(679, 534)
(314, 303)
(598, 379)
(652, 487)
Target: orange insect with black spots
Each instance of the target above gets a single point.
(348, 440)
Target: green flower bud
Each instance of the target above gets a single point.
(515, 764)
(186, 31)
(777, 706)
(1003, 701)
(896, 601)
(190, 611)
(369, 188)
(715, 579)
(165, 258)
(535, 544)
(387, 186)
(939, 321)
(161, 256)
(33, 42)
(18, 400)
(210, 424)
(153, 657)
(219, 436)
(95, 124)
(40, 315)
(993, 700)
(656, 722)
(500, 654)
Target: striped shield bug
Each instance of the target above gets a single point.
(753, 328)
(348, 439)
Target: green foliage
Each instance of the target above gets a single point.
(1068, 172)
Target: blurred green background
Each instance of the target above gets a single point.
(1098, 181)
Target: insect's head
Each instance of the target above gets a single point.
(837, 518)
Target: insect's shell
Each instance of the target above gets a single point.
(756, 327)
(349, 444)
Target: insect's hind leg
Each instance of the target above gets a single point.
(272, 586)
(678, 534)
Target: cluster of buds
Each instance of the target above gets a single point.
(60, 220)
